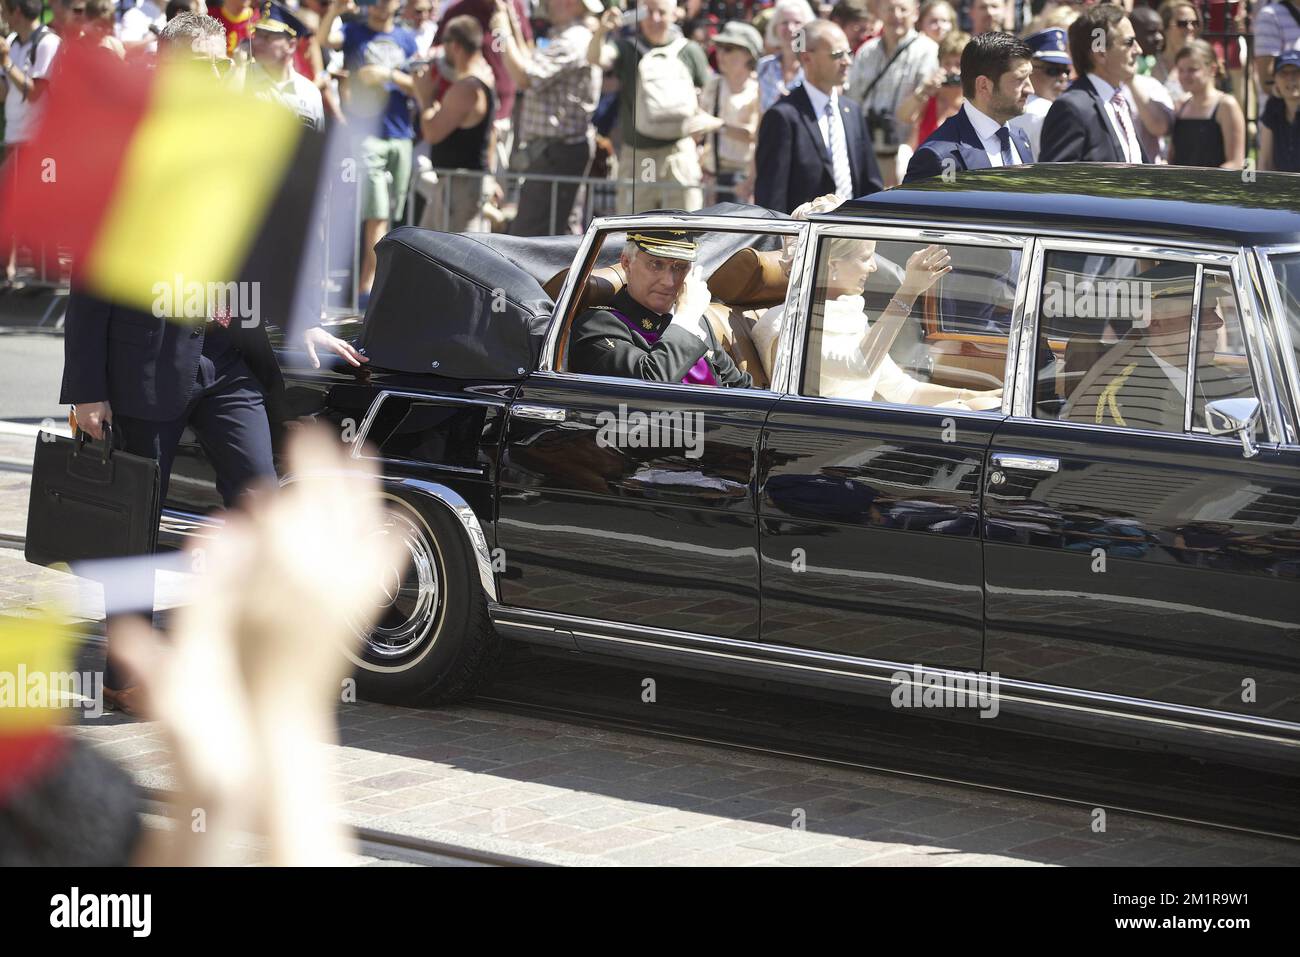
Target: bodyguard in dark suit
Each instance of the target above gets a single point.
(150, 377)
(995, 76)
(814, 141)
(1092, 121)
(158, 375)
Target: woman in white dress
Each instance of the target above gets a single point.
(855, 361)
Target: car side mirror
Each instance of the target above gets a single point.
(1235, 417)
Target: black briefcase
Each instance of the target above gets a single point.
(90, 501)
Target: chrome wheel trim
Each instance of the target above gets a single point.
(412, 609)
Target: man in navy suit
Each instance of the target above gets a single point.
(1094, 120)
(150, 376)
(995, 80)
(814, 141)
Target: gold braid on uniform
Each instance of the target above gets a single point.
(1107, 397)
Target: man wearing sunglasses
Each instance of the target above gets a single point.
(1094, 120)
(814, 140)
(1051, 78)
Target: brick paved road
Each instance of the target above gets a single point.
(555, 792)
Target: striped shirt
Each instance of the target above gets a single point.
(1275, 30)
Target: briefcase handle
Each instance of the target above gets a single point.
(83, 437)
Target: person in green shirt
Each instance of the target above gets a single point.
(666, 172)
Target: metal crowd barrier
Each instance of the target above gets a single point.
(596, 195)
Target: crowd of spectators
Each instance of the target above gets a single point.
(539, 101)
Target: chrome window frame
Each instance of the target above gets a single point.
(924, 234)
(1222, 258)
(1288, 363)
(730, 224)
(1189, 380)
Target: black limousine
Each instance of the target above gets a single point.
(1074, 470)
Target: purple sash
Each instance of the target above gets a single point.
(699, 374)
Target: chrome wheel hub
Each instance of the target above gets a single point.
(411, 597)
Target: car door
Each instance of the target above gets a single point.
(1129, 553)
(870, 495)
(626, 503)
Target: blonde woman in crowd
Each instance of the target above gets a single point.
(781, 72)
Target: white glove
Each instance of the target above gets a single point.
(691, 303)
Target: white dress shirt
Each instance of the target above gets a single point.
(1030, 122)
(986, 129)
(1132, 151)
(837, 136)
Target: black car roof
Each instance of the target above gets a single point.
(1171, 202)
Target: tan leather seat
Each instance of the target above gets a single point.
(745, 287)
(602, 286)
(732, 328)
(750, 279)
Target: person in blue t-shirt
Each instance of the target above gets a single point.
(377, 54)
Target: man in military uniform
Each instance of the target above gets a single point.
(1141, 381)
(654, 328)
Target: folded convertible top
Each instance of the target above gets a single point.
(471, 305)
(448, 304)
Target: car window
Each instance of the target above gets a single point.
(908, 323)
(1222, 367)
(620, 313)
(1115, 340)
(1286, 269)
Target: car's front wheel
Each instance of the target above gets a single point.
(432, 642)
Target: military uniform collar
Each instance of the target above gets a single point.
(643, 318)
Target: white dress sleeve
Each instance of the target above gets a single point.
(893, 384)
(842, 358)
(766, 333)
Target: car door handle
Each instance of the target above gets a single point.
(1026, 463)
(544, 413)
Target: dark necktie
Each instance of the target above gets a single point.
(1004, 137)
